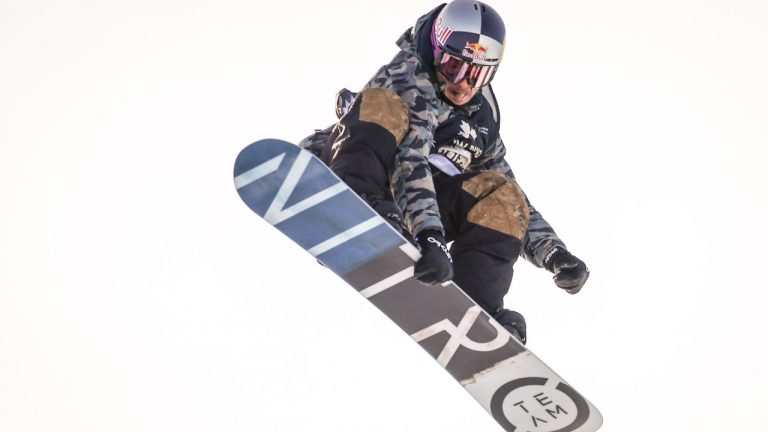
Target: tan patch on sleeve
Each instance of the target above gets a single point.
(385, 108)
(501, 204)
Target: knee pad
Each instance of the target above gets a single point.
(382, 107)
(500, 205)
(366, 139)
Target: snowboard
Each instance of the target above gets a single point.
(300, 196)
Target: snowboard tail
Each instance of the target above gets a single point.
(295, 192)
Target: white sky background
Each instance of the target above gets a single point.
(138, 293)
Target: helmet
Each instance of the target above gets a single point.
(468, 42)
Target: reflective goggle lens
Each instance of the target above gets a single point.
(456, 70)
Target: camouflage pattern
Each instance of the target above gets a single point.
(411, 180)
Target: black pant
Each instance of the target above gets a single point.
(483, 257)
(362, 145)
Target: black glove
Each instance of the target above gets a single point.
(435, 265)
(389, 211)
(570, 272)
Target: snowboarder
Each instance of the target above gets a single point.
(420, 143)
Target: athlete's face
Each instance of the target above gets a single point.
(458, 93)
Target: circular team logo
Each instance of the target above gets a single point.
(535, 404)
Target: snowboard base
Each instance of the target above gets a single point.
(296, 193)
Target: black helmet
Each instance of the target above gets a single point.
(468, 42)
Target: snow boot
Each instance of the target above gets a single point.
(514, 322)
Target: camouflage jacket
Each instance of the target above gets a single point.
(410, 75)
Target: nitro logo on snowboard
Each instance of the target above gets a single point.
(300, 196)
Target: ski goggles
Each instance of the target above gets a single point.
(456, 70)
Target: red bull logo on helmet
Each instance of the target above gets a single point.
(442, 33)
(474, 51)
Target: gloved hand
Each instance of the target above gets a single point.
(389, 211)
(570, 272)
(435, 265)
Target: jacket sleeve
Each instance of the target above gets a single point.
(411, 179)
(540, 238)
